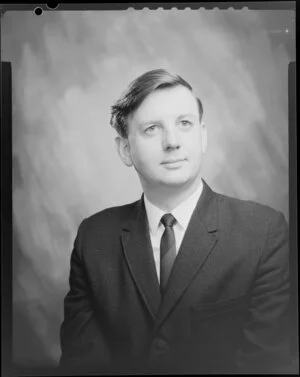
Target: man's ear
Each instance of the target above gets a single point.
(203, 137)
(123, 148)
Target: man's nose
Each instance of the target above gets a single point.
(171, 138)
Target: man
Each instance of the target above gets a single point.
(184, 280)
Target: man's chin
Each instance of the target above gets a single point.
(174, 183)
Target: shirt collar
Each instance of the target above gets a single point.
(182, 213)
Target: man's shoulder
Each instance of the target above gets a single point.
(110, 217)
(247, 210)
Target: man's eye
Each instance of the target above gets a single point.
(186, 123)
(150, 129)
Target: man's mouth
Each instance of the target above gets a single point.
(173, 161)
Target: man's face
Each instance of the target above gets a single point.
(166, 139)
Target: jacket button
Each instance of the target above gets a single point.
(160, 344)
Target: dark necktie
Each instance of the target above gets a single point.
(167, 249)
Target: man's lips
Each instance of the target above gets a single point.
(173, 161)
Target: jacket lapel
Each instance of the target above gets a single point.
(139, 255)
(199, 240)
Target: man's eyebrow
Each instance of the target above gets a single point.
(187, 115)
(159, 121)
(146, 123)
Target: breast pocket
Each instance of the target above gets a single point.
(220, 308)
(217, 327)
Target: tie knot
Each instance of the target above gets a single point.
(168, 220)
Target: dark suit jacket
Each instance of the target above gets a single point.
(225, 309)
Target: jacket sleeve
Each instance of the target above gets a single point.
(266, 335)
(83, 343)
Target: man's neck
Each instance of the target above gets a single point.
(168, 198)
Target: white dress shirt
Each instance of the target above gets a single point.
(182, 214)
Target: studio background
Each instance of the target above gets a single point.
(67, 70)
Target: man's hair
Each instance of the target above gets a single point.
(138, 90)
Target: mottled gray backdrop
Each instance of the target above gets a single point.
(68, 68)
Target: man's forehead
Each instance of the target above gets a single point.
(168, 101)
